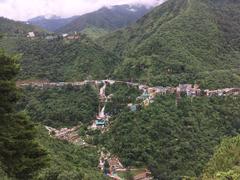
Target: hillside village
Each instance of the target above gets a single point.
(102, 118)
(126, 92)
(65, 36)
(144, 100)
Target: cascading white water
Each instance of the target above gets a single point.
(102, 113)
(102, 91)
(102, 95)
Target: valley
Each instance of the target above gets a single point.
(126, 92)
(103, 120)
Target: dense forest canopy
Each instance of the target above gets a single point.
(13, 28)
(58, 60)
(181, 41)
(184, 41)
(173, 141)
(225, 162)
(61, 107)
(21, 156)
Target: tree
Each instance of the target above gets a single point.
(106, 167)
(20, 155)
(225, 162)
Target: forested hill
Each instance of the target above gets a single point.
(106, 18)
(52, 23)
(13, 28)
(61, 60)
(184, 41)
(181, 41)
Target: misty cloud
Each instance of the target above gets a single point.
(25, 9)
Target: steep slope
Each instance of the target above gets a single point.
(61, 60)
(174, 141)
(52, 23)
(106, 18)
(14, 28)
(181, 41)
(68, 161)
(225, 162)
(56, 60)
(56, 108)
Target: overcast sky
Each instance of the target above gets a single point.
(26, 9)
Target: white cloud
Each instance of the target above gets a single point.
(25, 9)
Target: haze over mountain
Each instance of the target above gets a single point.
(107, 18)
(10, 27)
(158, 111)
(104, 19)
(165, 47)
(24, 10)
(181, 41)
(50, 23)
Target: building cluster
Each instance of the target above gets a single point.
(223, 92)
(74, 36)
(67, 134)
(41, 84)
(102, 119)
(188, 89)
(149, 93)
(45, 84)
(110, 165)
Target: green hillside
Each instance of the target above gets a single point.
(184, 41)
(68, 161)
(94, 32)
(181, 41)
(173, 141)
(61, 60)
(13, 28)
(56, 107)
(106, 18)
(225, 162)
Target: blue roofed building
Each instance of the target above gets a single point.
(100, 123)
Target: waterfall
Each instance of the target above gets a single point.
(102, 91)
(102, 113)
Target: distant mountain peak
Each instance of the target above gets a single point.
(44, 17)
(51, 16)
(107, 18)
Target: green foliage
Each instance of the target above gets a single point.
(13, 28)
(94, 32)
(173, 141)
(164, 47)
(68, 161)
(225, 162)
(58, 60)
(3, 174)
(180, 41)
(20, 156)
(107, 19)
(122, 96)
(61, 107)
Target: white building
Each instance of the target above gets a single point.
(31, 35)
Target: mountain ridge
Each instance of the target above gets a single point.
(50, 24)
(177, 42)
(106, 18)
(11, 27)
